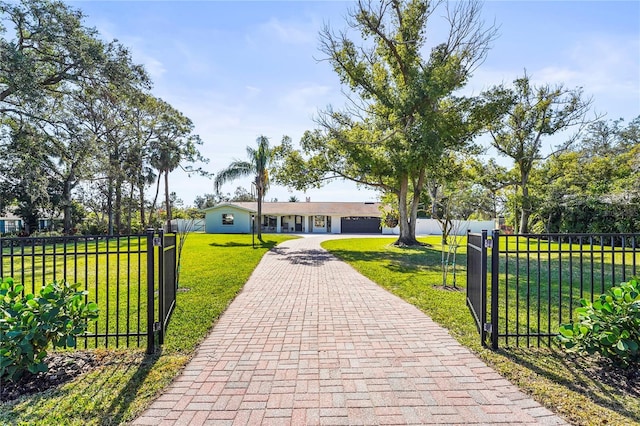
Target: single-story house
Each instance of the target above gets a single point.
(299, 217)
(10, 223)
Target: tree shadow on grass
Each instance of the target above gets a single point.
(583, 376)
(101, 396)
(407, 260)
(117, 411)
(268, 244)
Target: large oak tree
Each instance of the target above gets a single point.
(401, 116)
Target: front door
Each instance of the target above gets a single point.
(298, 223)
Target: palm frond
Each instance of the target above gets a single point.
(234, 171)
(257, 167)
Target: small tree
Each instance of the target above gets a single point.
(182, 232)
(530, 114)
(451, 207)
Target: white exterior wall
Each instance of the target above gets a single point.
(336, 224)
(390, 231)
(241, 221)
(433, 227)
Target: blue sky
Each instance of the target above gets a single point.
(243, 69)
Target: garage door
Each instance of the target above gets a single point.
(360, 225)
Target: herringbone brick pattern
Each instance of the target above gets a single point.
(309, 341)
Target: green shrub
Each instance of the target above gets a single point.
(30, 324)
(609, 326)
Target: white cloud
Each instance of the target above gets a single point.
(305, 99)
(289, 32)
(555, 75)
(609, 65)
(252, 91)
(154, 67)
(136, 45)
(191, 58)
(605, 66)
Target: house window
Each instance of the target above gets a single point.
(318, 221)
(227, 219)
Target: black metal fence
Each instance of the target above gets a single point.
(537, 280)
(125, 275)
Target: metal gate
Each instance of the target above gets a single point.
(477, 245)
(537, 280)
(115, 274)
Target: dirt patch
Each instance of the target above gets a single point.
(63, 367)
(602, 370)
(447, 288)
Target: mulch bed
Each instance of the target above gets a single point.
(63, 367)
(601, 370)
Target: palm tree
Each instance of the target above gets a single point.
(257, 166)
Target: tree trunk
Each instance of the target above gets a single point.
(526, 205)
(130, 207)
(433, 193)
(494, 200)
(110, 208)
(66, 202)
(155, 199)
(30, 223)
(118, 207)
(406, 221)
(524, 218)
(258, 219)
(167, 200)
(143, 219)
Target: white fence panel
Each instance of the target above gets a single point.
(433, 227)
(180, 225)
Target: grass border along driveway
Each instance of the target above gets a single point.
(214, 269)
(561, 383)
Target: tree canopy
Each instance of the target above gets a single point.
(402, 115)
(78, 122)
(530, 114)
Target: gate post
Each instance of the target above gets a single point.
(495, 266)
(161, 284)
(483, 288)
(150, 293)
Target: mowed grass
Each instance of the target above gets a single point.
(559, 382)
(550, 278)
(113, 272)
(214, 269)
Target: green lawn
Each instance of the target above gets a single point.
(535, 277)
(214, 269)
(557, 381)
(113, 273)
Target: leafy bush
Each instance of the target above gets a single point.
(29, 324)
(609, 326)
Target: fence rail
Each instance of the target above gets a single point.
(118, 273)
(536, 280)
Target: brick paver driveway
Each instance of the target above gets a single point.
(311, 341)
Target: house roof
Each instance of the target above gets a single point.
(9, 215)
(308, 208)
